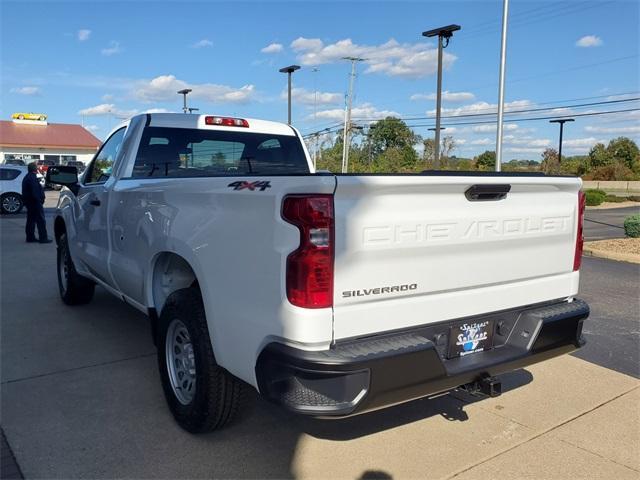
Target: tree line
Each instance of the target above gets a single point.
(389, 146)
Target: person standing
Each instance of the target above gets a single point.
(33, 199)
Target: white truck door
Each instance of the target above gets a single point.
(92, 233)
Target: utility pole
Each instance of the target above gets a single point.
(289, 70)
(347, 114)
(503, 61)
(184, 92)
(561, 121)
(443, 33)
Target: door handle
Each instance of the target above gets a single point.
(483, 193)
(95, 202)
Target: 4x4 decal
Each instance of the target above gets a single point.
(261, 185)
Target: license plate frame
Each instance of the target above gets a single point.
(470, 337)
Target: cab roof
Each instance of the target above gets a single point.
(188, 120)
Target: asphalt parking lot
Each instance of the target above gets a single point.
(601, 224)
(81, 398)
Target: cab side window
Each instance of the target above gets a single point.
(102, 165)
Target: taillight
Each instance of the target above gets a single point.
(577, 259)
(226, 121)
(310, 267)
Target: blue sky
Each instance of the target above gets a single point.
(100, 61)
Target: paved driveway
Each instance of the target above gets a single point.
(81, 398)
(606, 223)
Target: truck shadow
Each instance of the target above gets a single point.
(449, 406)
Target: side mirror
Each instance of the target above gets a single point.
(63, 175)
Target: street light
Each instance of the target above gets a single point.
(442, 33)
(192, 109)
(289, 70)
(561, 121)
(184, 92)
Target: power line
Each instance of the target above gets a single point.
(492, 113)
(586, 114)
(331, 125)
(581, 105)
(484, 122)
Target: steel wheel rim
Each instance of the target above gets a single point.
(181, 365)
(63, 268)
(11, 203)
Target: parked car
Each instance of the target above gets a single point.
(76, 163)
(43, 166)
(29, 116)
(15, 162)
(331, 295)
(11, 188)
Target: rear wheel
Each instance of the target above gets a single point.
(201, 395)
(11, 203)
(74, 288)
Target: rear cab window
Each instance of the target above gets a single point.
(182, 152)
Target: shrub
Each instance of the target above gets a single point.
(614, 199)
(634, 198)
(594, 197)
(632, 226)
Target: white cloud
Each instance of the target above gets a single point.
(483, 141)
(84, 34)
(92, 128)
(366, 111)
(272, 48)
(484, 107)
(301, 44)
(205, 42)
(113, 49)
(507, 127)
(157, 110)
(536, 150)
(102, 109)
(107, 97)
(447, 96)
(589, 41)
(580, 142)
(526, 141)
(164, 88)
(106, 109)
(30, 91)
(391, 58)
(612, 130)
(306, 97)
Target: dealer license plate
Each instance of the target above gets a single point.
(470, 337)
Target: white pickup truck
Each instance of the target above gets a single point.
(331, 295)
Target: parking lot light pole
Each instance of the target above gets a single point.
(561, 121)
(184, 92)
(289, 70)
(443, 34)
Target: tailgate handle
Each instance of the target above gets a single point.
(485, 193)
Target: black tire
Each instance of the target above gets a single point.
(77, 290)
(218, 394)
(11, 203)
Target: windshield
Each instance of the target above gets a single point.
(181, 152)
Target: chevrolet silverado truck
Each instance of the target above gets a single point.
(331, 295)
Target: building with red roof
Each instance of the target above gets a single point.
(27, 141)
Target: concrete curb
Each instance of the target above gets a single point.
(620, 257)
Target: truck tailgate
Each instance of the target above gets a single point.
(414, 250)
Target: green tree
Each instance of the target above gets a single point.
(486, 160)
(598, 156)
(391, 133)
(623, 150)
(550, 161)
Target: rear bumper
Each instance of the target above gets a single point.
(370, 373)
